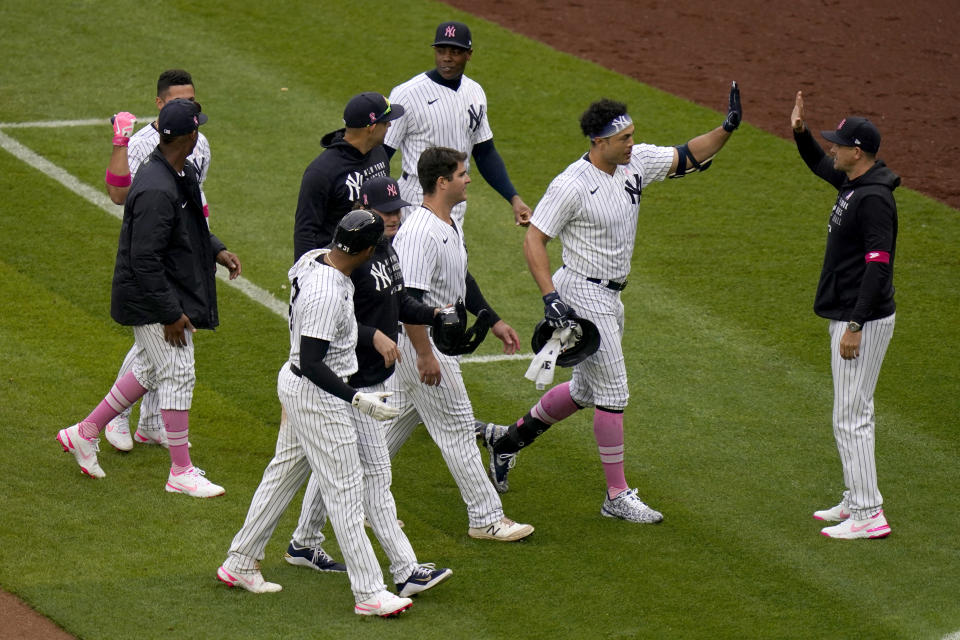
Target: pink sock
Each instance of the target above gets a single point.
(177, 424)
(123, 393)
(555, 405)
(608, 431)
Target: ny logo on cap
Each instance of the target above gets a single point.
(451, 31)
(366, 200)
(373, 117)
(391, 190)
(842, 122)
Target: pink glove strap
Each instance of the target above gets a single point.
(120, 141)
(114, 180)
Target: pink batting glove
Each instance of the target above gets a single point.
(123, 124)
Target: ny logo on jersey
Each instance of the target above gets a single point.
(633, 189)
(381, 273)
(476, 117)
(353, 182)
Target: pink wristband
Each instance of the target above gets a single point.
(120, 141)
(114, 180)
(206, 211)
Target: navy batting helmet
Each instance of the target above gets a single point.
(358, 230)
(587, 341)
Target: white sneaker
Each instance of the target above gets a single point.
(838, 513)
(158, 436)
(252, 581)
(873, 527)
(118, 432)
(193, 483)
(628, 506)
(503, 530)
(383, 604)
(85, 451)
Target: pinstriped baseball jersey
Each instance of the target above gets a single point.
(321, 306)
(595, 214)
(143, 142)
(433, 257)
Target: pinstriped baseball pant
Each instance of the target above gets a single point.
(318, 437)
(378, 502)
(163, 368)
(854, 426)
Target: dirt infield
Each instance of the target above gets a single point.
(897, 64)
(20, 622)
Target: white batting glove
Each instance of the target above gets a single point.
(375, 405)
(123, 124)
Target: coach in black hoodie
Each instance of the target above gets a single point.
(856, 294)
(331, 183)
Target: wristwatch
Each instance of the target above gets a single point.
(854, 327)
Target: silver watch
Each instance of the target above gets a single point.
(854, 327)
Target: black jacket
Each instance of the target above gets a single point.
(330, 186)
(856, 282)
(379, 302)
(166, 259)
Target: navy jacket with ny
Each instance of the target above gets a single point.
(856, 282)
(166, 259)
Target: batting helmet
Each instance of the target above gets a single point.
(358, 230)
(587, 341)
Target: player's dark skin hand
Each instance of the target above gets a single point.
(175, 334)
(231, 262)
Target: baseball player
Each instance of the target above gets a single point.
(448, 109)
(380, 302)
(855, 294)
(318, 435)
(331, 183)
(429, 385)
(129, 153)
(593, 208)
(164, 286)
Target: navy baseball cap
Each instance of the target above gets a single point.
(180, 117)
(453, 34)
(383, 194)
(368, 108)
(854, 131)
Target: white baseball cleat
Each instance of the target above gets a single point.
(118, 433)
(252, 581)
(503, 530)
(873, 527)
(85, 451)
(628, 506)
(383, 604)
(838, 513)
(193, 483)
(158, 436)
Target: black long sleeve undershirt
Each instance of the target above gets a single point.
(312, 351)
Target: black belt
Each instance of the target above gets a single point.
(609, 284)
(296, 370)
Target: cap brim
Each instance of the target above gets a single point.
(201, 118)
(450, 43)
(396, 110)
(393, 205)
(836, 138)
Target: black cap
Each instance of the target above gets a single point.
(369, 108)
(855, 132)
(383, 194)
(358, 230)
(453, 34)
(180, 117)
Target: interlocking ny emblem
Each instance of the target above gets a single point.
(476, 117)
(451, 31)
(392, 190)
(633, 189)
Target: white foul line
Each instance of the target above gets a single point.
(100, 200)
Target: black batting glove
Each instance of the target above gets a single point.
(555, 311)
(735, 112)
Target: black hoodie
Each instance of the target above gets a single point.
(856, 282)
(330, 185)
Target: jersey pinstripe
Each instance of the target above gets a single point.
(315, 290)
(595, 215)
(144, 141)
(433, 257)
(436, 116)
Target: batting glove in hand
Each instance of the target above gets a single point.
(123, 124)
(735, 112)
(375, 405)
(555, 311)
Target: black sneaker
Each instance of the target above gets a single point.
(500, 464)
(424, 577)
(314, 558)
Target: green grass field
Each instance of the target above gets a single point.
(728, 430)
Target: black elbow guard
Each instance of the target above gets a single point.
(684, 158)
